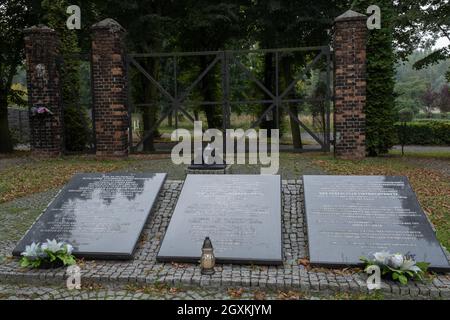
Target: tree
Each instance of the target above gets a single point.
(150, 25)
(421, 23)
(291, 24)
(411, 84)
(15, 15)
(444, 99)
(206, 26)
(429, 99)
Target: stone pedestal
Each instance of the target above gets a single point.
(210, 170)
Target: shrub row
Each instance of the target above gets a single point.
(424, 133)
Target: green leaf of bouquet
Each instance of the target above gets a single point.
(423, 266)
(51, 255)
(364, 259)
(393, 269)
(35, 263)
(402, 279)
(71, 260)
(24, 262)
(67, 259)
(395, 275)
(410, 273)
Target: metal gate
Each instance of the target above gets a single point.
(275, 101)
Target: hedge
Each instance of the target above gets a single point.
(424, 133)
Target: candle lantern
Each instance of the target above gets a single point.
(208, 260)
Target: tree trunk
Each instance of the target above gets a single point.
(5, 136)
(169, 120)
(149, 115)
(208, 92)
(295, 128)
(268, 121)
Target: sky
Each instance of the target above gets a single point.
(442, 42)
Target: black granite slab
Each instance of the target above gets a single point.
(240, 213)
(100, 215)
(353, 216)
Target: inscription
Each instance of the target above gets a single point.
(101, 215)
(241, 214)
(353, 216)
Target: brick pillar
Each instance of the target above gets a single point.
(109, 89)
(44, 90)
(350, 34)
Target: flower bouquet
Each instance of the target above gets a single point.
(400, 267)
(41, 112)
(51, 254)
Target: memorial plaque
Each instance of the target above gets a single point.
(100, 215)
(240, 213)
(353, 216)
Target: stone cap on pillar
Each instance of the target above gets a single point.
(350, 15)
(39, 28)
(108, 24)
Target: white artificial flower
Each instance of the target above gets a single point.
(32, 251)
(381, 257)
(52, 245)
(395, 261)
(69, 248)
(415, 269)
(409, 265)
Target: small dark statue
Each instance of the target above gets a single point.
(206, 163)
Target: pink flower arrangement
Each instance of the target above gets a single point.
(40, 111)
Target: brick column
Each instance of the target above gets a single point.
(350, 34)
(44, 90)
(109, 89)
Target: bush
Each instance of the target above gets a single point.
(406, 115)
(426, 116)
(17, 137)
(424, 133)
(77, 129)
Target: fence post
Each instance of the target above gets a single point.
(109, 76)
(44, 90)
(350, 33)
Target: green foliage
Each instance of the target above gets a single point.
(188, 25)
(424, 132)
(76, 122)
(406, 115)
(380, 114)
(77, 128)
(419, 24)
(426, 117)
(15, 15)
(55, 17)
(411, 84)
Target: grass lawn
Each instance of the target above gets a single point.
(35, 175)
(21, 175)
